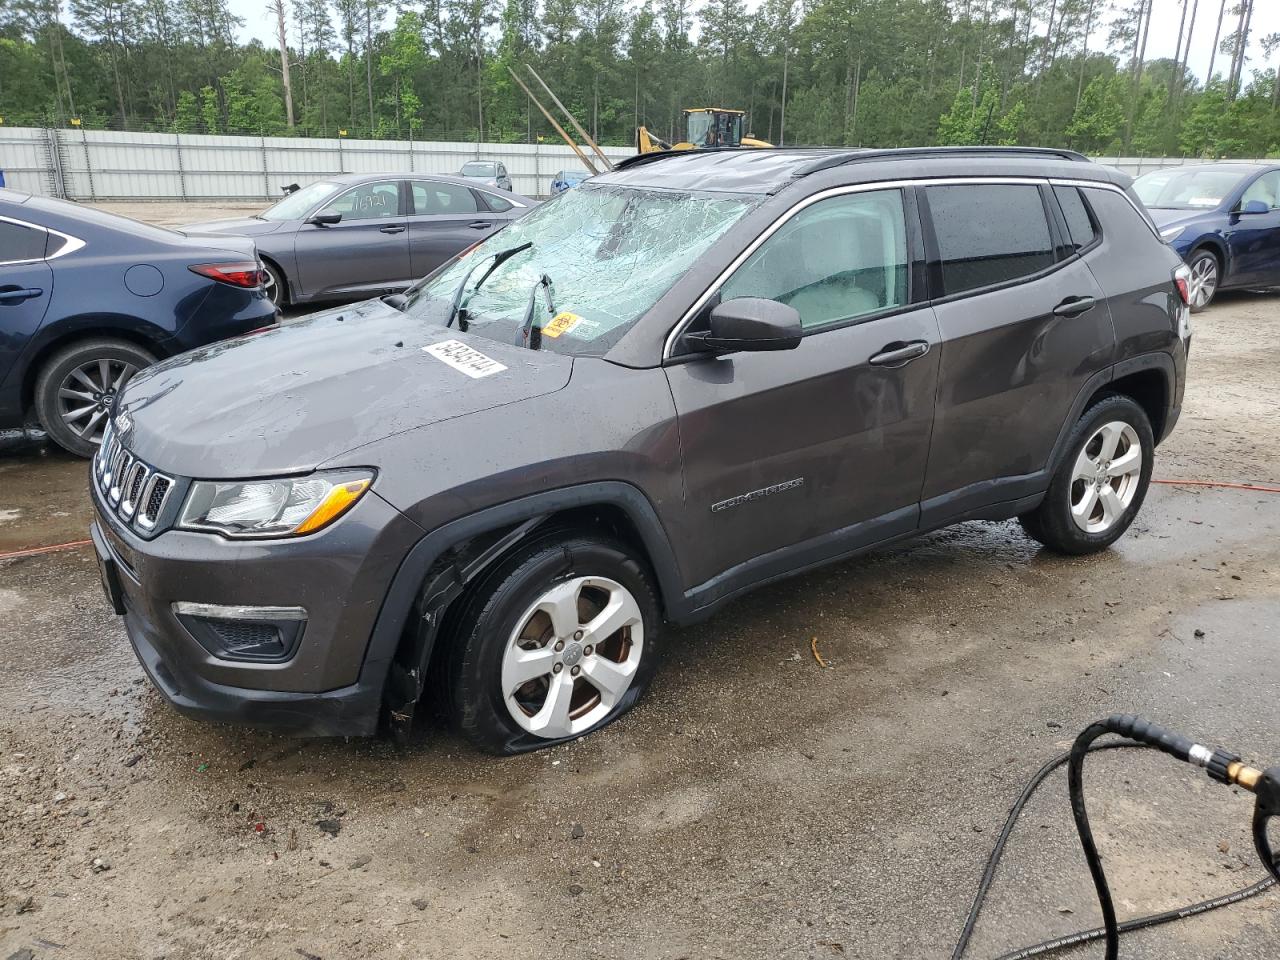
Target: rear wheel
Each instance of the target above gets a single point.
(77, 386)
(558, 641)
(1099, 487)
(274, 286)
(1206, 275)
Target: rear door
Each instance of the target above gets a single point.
(445, 218)
(26, 286)
(1024, 326)
(367, 251)
(1255, 237)
(800, 454)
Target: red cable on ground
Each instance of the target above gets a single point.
(1218, 483)
(52, 548)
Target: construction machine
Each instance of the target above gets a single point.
(704, 127)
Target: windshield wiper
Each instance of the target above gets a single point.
(455, 302)
(530, 332)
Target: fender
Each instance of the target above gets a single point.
(435, 554)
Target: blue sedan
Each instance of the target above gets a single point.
(87, 299)
(1224, 221)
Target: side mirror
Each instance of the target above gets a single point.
(1255, 206)
(750, 324)
(325, 219)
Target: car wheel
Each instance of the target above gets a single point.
(274, 286)
(78, 384)
(1100, 484)
(1206, 274)
(559, 640)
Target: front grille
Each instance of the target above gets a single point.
(130, 488)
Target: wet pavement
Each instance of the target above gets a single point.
(755, 805)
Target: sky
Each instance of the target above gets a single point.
(1164, 30)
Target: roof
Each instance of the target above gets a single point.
(748, 170)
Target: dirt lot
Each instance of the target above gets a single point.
(756, 805)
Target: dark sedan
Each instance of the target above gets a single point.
(87, 299)
(355, 236)
(1224, 221)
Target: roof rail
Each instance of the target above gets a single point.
(889, 153)
(842, 155)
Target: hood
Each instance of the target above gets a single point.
(1165, 217)
(240, 226)
(290, 398)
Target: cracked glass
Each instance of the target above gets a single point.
(610, 252)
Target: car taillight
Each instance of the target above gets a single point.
(241, 273)
(1182, 279)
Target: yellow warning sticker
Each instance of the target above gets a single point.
(561, 323)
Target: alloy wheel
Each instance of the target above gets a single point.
(572, 656)
(86, 394)
(1106, 477)
(1204, 280)
(270, 286)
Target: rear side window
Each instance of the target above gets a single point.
(20, 243)
(1079, 223)
(989, 233)
(497, 204)
(438, 197)
(837, 260)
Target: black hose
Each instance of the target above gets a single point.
(1082, 825)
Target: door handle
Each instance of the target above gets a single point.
(10, 295)
(394, 228)
(1074, 306)
(480, 224)
(899, 353)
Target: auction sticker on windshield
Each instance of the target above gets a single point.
(462, 357)
(562, 323)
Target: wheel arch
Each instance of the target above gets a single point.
(134, 335)
(275, 264)
(1215, 245)
(440, 567)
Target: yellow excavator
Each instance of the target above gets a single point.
(704, 127)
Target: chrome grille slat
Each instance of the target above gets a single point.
(131, 489)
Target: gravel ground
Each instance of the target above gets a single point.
(755, 805)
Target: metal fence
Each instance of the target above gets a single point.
(110, 165)
(113, 165)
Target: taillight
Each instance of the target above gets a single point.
(241, 273)
(1182, 279)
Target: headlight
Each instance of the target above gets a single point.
(289, 507)
(1168, 233)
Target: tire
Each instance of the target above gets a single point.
(76, 386)
(1077, 516)
(508, 616)
(276, 288)
(1206, 278)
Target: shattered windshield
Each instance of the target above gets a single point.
(610, 252)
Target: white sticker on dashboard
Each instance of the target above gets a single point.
(462, 357)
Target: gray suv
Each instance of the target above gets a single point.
(689, 377)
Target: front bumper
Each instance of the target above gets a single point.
(339, 575)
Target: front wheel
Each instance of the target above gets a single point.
(273, 285)
(1099, 487)
(559, 640)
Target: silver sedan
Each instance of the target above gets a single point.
(360, 235)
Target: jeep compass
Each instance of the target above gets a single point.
(694, 375)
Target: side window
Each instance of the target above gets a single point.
(1266, 188)
(839, 259)
(20, 243)
(496, 203)
(369, 201)
(1079, 223)
(437, 197)
(989, 233)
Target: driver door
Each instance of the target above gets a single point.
(367, 251)
(799, 455)
(1255, 237)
